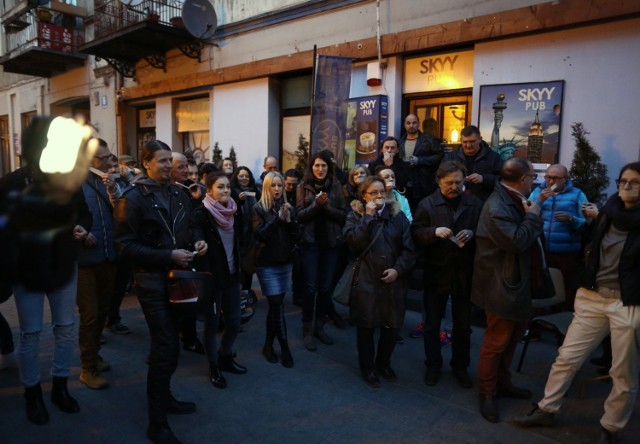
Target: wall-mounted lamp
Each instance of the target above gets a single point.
(374, 74)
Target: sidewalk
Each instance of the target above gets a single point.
(321, 400)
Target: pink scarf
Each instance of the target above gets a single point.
(222, 215)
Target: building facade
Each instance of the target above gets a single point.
(247, 85)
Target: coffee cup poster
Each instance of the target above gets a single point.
(522, 119)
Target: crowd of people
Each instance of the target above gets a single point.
(468, 220)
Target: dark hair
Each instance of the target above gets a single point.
(387, 139)
(234, 178)
(366, 183)
(149, 149)
(448, 167)
(191, 161)
(469, 131)
(381, 167)
(292, 172)
(309, 177)
(213, 178)
(206, 168)
(222, 162)
(514, 168)
(327, 154)
(633, 166)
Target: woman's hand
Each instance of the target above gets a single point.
(285, 213)
(390, 275)
(201, 248)
(370, 208)
(322, 198)
(242, 196)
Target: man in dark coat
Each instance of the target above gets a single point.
(390, 157)
(444, 225)
(482, 163)
(506, 237)
(423, 154)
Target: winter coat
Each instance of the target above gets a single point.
(486, 162)
(429, 154)
(373, 303)
(561, 237)
(102, 228)
(447, 267)
(146, 232)
(628, 267)
(333, 214)
(402, 201)
(503, 261)
(278, 237)
(216, 260)
(244, 215)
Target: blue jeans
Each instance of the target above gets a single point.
(30, 306)
(319, 270)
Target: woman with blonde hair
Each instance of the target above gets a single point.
(275, 228)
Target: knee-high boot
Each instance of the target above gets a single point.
(267, 350)
(280, 327)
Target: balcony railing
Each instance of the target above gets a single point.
(112, 16)
(43, 35)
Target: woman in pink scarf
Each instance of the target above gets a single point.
(217, 219)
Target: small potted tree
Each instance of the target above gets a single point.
(587, 170)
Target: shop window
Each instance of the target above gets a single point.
(192, 118)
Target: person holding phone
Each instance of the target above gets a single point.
(380, 236)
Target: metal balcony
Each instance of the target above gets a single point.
(42, 47)
(123, 35)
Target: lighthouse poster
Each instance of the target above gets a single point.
(522, 119)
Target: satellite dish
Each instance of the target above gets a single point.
(131, 2)
(199, 18)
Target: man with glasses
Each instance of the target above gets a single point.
(482, 163)
(561, 212)
(503, 268)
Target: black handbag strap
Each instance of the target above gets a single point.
(372, 242)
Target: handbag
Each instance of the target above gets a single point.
(542, 284)
(342, 290)
(186, 289)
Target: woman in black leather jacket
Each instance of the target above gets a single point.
(275, 229)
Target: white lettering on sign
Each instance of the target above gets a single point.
(367, 104)
(535, 97)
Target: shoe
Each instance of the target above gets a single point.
(417, 332)
(511, 391)
(399, 340)
(445, 339)
(195, 347)
(463, 378)
(321, 335)
(431, 376)
(93, 379)
(338, 321)
(10, 360)
(229, 364)
(489, 408)
(160, 433)
(103, 340)
(371, 379)
(102, 365)
(216, 377)
(387, 373)
(608, 437)
(176, 407)
(534, 418)
(269, 353)
(287, 358)
(60, 396)
(119, 328)
(36, 410)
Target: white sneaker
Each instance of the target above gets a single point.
(10, 360)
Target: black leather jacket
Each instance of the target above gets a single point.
(146, 231)
(278, 237)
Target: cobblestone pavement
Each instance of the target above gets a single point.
(321, 400)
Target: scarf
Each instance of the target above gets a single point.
(624, 219)
(221, 214)
(322, 185)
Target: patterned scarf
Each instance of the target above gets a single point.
(222, 215)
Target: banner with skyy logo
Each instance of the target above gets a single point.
(332, 82)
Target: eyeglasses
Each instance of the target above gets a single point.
(553, 178)
(622, 183)
(376, 193)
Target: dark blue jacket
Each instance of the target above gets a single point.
(102, 228)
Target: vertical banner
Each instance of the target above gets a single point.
(332, 81)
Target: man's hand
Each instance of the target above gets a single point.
(590, 210)
(79, 233)
(388, 276)
(562, 216)
(443, 232)
(412, 160)
(464, 236)
(182, 258)
(90, 241)
(530, 207)
(474, 178)
(545, 194)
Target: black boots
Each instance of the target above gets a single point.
(287, 358)
(216, 377)
(268, 351)
(61, 398)
(229, 364)
(160, 433)
(36, 410)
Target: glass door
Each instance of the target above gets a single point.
(442, 117)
